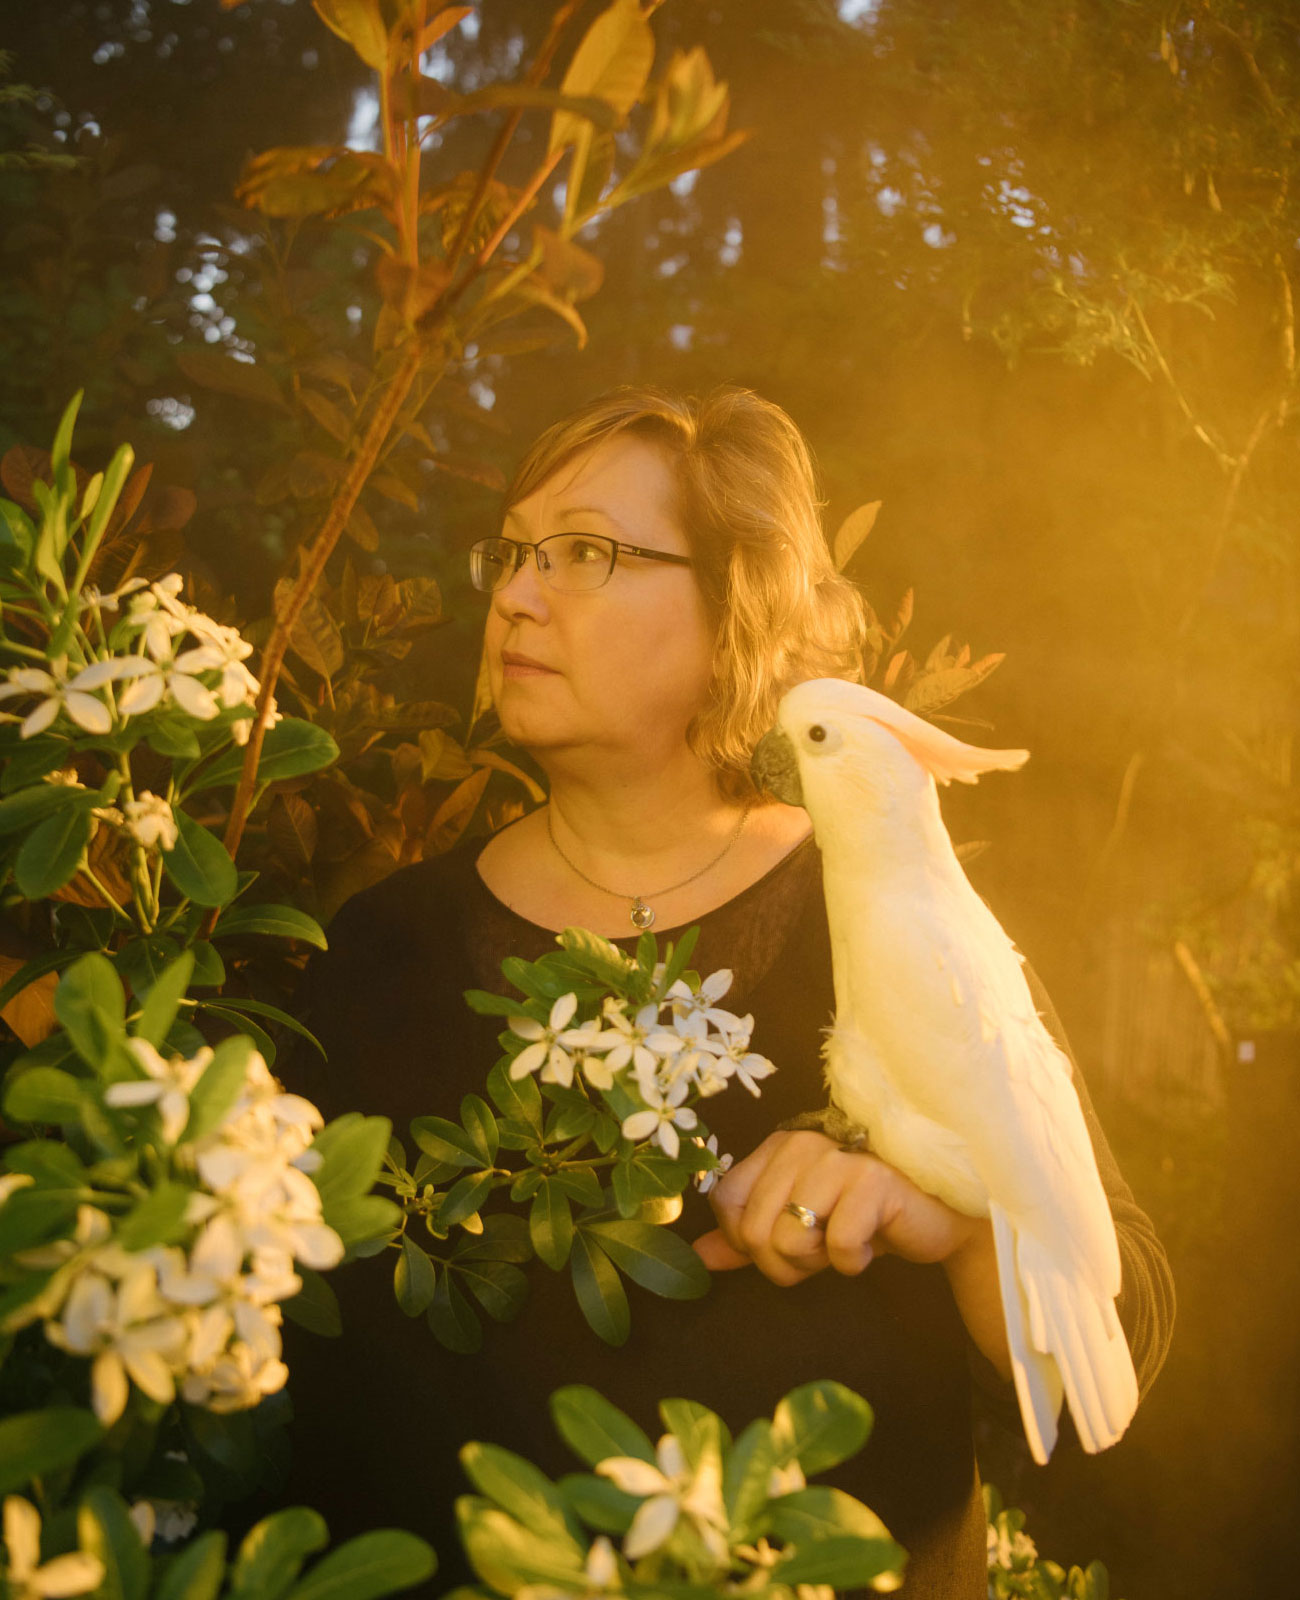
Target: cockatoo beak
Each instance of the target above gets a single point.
(775, 767)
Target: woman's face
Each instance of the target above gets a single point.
(625, 666)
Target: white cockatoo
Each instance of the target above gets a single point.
(938, 1051)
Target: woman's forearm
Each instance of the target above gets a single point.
(973, 1276)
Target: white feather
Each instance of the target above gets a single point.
(938, 1051)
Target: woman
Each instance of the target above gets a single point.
(660, 579)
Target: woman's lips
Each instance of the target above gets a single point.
(513, 665)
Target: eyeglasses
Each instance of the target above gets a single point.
(570, 562)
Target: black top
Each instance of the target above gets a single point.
(381, 1413)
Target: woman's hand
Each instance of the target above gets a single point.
(866, 1208)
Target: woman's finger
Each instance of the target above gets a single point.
(717, 1252)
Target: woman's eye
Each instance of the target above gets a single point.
(580, 552)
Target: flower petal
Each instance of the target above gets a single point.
(40, 719)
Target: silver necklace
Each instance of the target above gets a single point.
(642, 913)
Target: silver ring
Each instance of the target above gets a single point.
(804, 1214)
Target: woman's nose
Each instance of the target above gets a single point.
(525, 594)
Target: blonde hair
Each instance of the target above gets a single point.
(747, 503)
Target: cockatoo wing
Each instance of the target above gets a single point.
(975, 1102)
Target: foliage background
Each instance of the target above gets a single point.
(1022, 273)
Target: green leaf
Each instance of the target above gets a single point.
(581, 1184)
(279, 922)
(464, 1198)
(361, 1218)
(209, 969)
(596, 957)
(244, 1007)
(550, 1225)
(32, 1216)
(519, 1488)
(747, 1474)
(143, 961)
(599, 1503)
(164, 999)
(92, 1008)
(414, 1279)
(158, 1219)
(272, 1553)
(372, 1564)
(820, 1424)
(51, 854)
(700, 1432)
(175, 739)
(352, 1152)
(679, 954)
(487, 1004)
(32, 760)
(218, 1088)
(49, 1161)
(601, 1296)
(195, 1572)
(29, 806)
(507, 1556)
(290, 749)
(497, 1286)
(478, 1121)
(820, 1512)
(654, 1257)
(105, 1529)
(451, 1318)
(445, 1141)
(504, 1238)
(199, 864)
(260, 1039)
(842, 1563)
(519, 1099)
(44, 1095)
(36, 1443)
(315, 1306)
(594, 1429)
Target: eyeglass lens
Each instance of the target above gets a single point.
(570, 562)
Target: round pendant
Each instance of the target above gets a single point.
(642, 915)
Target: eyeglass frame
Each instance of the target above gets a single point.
(521, 547)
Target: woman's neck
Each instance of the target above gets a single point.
(638, 822)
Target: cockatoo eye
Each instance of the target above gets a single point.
(822, 738)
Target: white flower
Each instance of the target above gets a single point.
(26, 1579)
(168, 1085)
(660, 1123)
(624, 1040)
(173, 676)
(668, 1491)
(173, 1520)
(1011, 1550)
(550, 1045)
(704, 1181)
(684, 1000)
(732, 1055)
(70, 695)
(150, 821)
(115, 1314)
